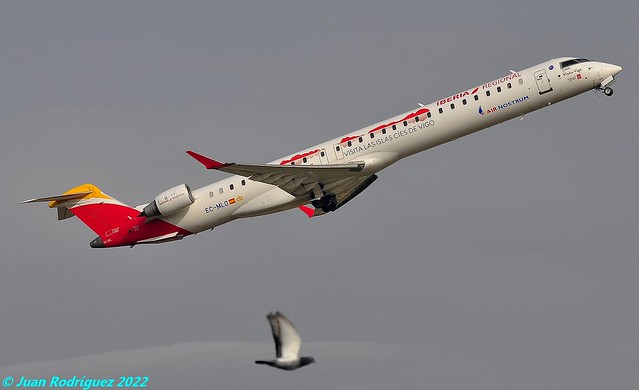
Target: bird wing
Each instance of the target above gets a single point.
(275, 330)
(290, 341)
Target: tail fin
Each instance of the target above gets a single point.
(97, 210)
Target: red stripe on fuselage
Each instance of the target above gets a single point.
(298, 156)
(412, 115)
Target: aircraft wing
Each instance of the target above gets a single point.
(298, 180)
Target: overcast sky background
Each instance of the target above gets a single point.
(508, 259)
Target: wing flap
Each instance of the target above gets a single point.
(298, 180)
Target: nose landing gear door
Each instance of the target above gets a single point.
(543, 82)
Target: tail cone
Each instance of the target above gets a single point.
(97, 243)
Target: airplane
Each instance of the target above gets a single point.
(325, 177)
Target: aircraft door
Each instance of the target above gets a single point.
(338, 151)
(323, 156)
(543, 82)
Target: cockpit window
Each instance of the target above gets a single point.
(565, 64)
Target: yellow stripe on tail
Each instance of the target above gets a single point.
(84, 191)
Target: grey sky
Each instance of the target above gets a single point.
(507, 259)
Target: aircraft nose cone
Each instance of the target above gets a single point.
(614, 69)
(97, 243)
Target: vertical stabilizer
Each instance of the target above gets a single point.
(100, 212)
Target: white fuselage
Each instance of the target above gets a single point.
(388, 141)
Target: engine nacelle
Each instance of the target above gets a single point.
(169, 202)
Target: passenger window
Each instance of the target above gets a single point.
(337, 148)
(322, 154)
(349, 143)
(441, 110)
(243, 182)
(304, 160)
(487, 93)
(509, 85)
(394, 127)
(372, 135)
(231, 187)
(211, 194)
(428, 114)
(221, 190)
(476, 97)
(383, 131)
(452, 106)
(361, 140)
(521, 81)
(498, 89)
(416, 119)
(464, 102)
(405, 123)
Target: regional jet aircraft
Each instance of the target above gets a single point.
(324, 177)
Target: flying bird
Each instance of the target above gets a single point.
(287, 344)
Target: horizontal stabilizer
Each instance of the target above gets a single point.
(73, 196)
(58, 198)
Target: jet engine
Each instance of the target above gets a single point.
(169, 202)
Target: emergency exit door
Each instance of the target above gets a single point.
(543, 82)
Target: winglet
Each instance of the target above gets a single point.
(209, 163)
